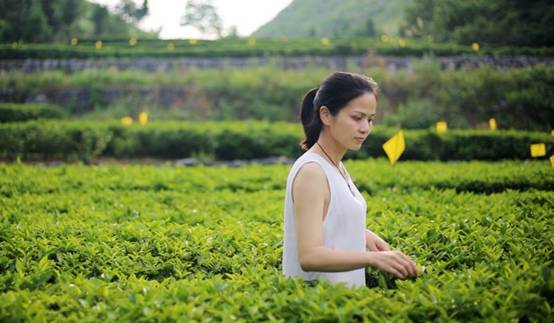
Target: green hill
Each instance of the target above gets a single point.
(334, 18)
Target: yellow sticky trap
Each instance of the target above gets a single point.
(98, 44)
(538, 150)
(394, 147)
(492, 123)
(442, 126)
(126, 121)
(552, 161)
(325, 41)
(143, 118)
(552, 132)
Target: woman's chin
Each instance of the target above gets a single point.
(356, 146)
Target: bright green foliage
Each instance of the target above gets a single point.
(140, 243)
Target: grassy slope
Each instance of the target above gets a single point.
(334, 18)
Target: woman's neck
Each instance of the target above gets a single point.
(330, 146)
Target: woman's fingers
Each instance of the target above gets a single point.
(371, 246)
(409, 264)
(395, 270)
(382, 246)
(397, 263)
(410, 268)
(400, 268)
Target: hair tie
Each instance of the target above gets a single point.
(315, 98)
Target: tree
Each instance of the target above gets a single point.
(100, 18)
(37, 20)
(61, 16)
(23, 20)
(232, 32)
(55, 20)
(493, 22)
(70, 12)
(53, 11)
(35, 26)
(202, 15)
(131, 13)
(370, 28)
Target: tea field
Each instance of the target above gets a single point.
(144, 243)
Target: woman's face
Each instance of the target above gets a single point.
(351, 126)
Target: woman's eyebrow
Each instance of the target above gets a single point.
(364, 114)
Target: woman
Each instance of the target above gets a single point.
(324, 232)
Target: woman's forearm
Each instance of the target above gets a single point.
(329, 260)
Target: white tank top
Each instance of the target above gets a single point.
(343, 226)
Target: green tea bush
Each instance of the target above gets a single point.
(86, 140)
(142, 243)
(11, 112)
(53, 140)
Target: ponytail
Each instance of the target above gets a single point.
(310, 119)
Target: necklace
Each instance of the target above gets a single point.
(337, 167)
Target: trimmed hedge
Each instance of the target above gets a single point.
(516, 98)
(11, 112)
(86, 140)
(261, 47)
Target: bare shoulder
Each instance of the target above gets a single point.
(311, 172)
(310, 179)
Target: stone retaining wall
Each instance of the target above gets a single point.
(360, 62)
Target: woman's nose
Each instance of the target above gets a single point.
(365, 127)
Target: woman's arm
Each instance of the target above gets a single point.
(310, 193)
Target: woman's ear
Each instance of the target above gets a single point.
(325, 115)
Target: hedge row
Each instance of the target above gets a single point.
(516, 98)
(86, 140)
(372, 176)
(252, 47)
(11, 112)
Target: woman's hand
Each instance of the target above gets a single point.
(375, 243)
(394, 262)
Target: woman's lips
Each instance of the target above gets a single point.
(359, 139)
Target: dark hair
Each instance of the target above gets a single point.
(334, 93)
